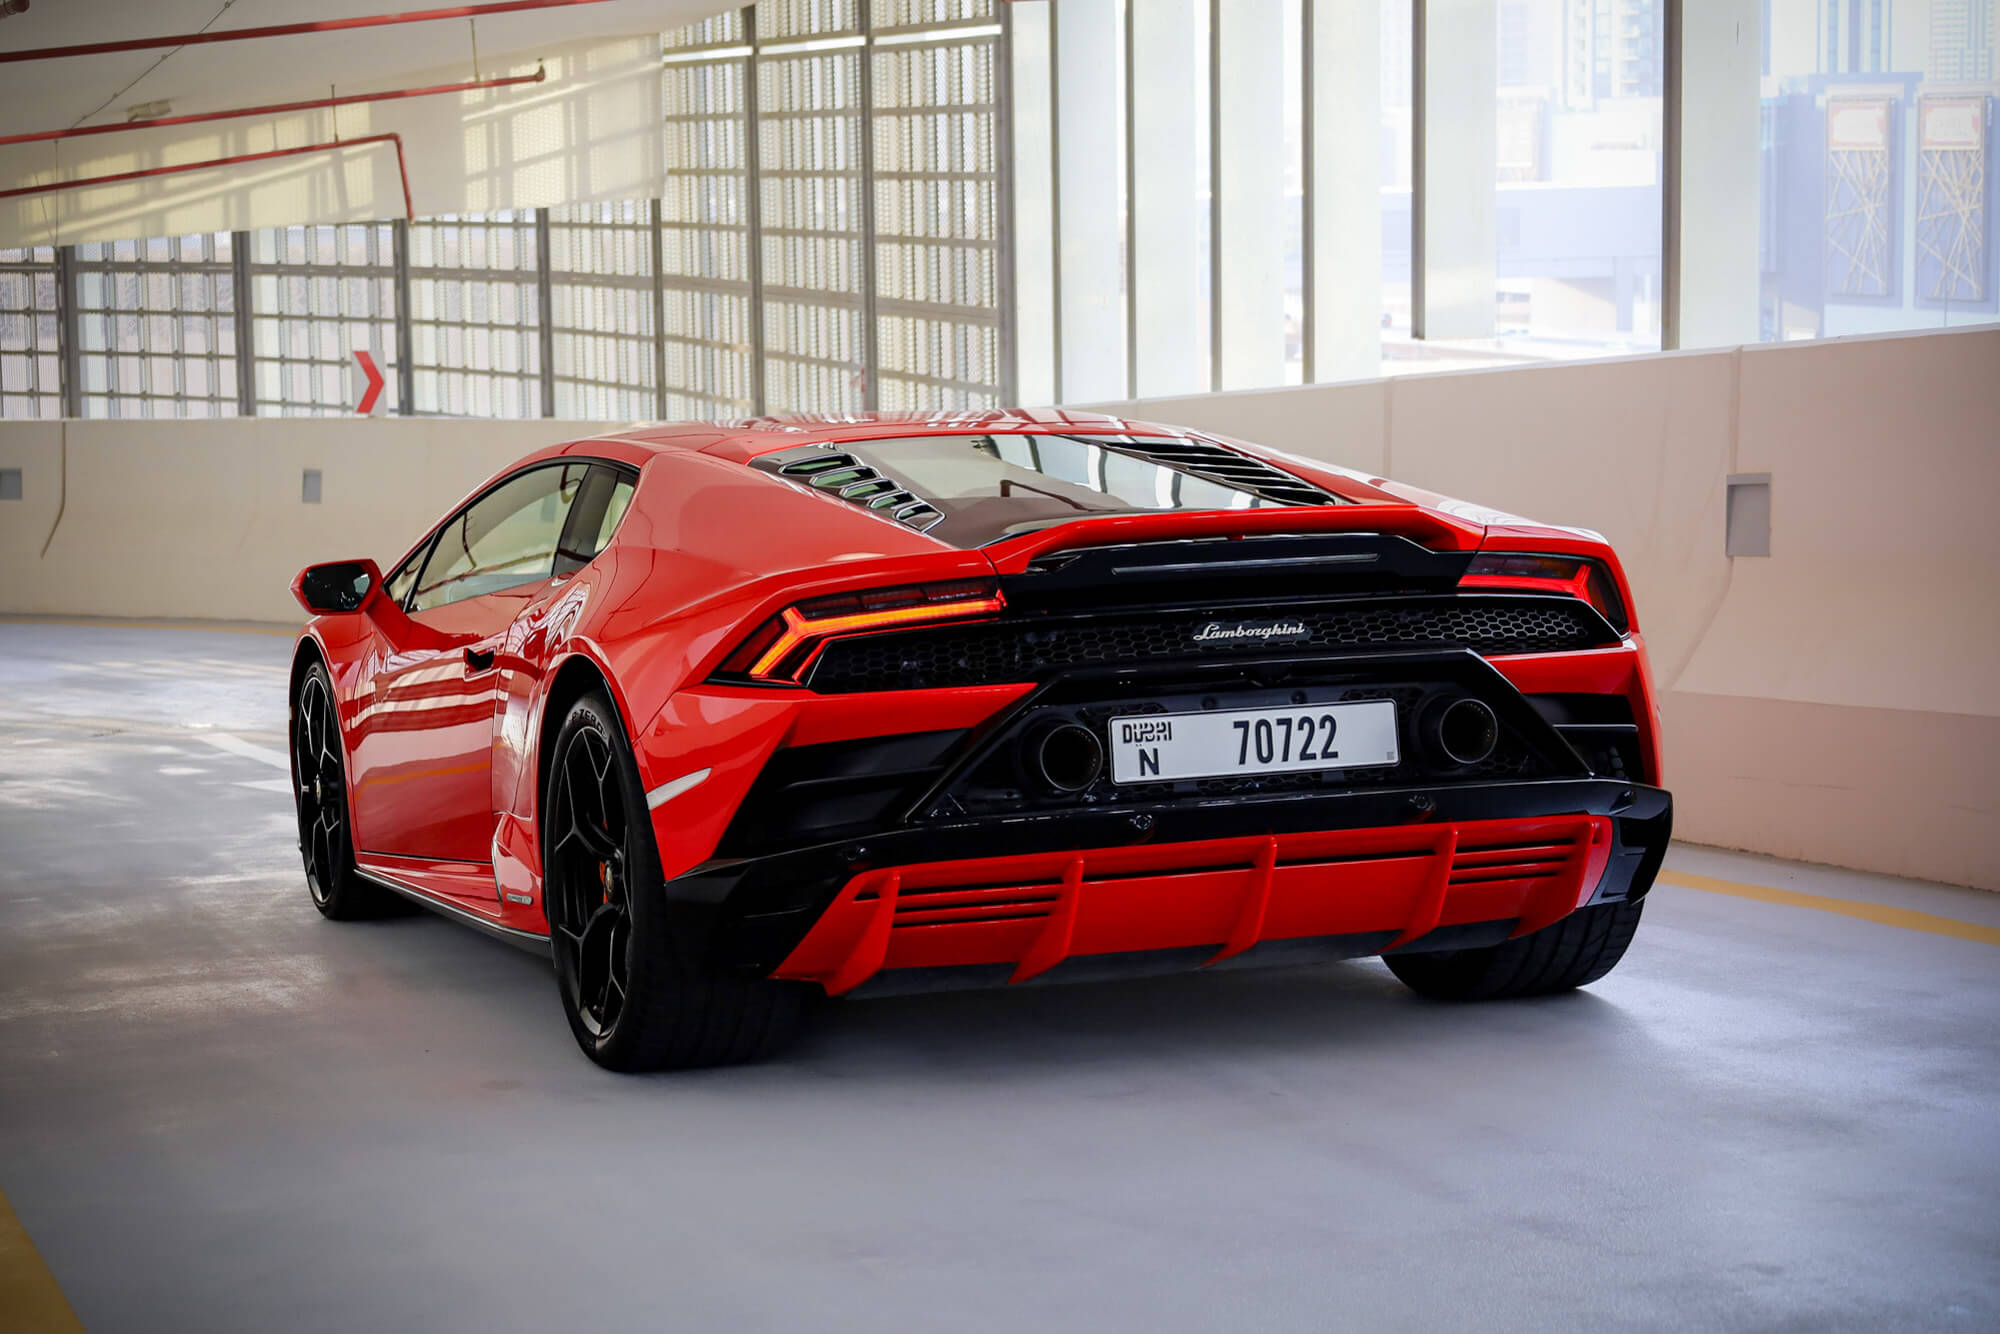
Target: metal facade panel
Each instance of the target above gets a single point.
(30, 340)
(156, 327)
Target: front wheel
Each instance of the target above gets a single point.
(634, 1001)
(319, 780)
(1573, 952)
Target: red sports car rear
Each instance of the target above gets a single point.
(727, 713)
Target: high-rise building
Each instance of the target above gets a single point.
(1964, 38)
(1528, 47)
(1612, 49)
(1854, 36)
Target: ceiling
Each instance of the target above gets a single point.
(56, 94)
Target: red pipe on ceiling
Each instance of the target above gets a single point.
(277, 108)
(287, 29)
(402, 166)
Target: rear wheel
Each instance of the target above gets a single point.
(320, 781)
(634, 1001)
(1574, 952)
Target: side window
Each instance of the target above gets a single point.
(505, 539)
(397, 586)
(614, 510)
(606, 496)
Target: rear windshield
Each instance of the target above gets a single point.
(990, 487)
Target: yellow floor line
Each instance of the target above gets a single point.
(155, 625)
(30, 1301)
(1905, 918)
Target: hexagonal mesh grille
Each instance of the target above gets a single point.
(1003, 651)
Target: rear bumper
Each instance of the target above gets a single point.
(1008, 900)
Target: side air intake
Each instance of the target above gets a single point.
(855, 482)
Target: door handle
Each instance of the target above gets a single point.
(478, 660)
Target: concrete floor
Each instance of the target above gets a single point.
(219, 1112)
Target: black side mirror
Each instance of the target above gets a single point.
(336, 586)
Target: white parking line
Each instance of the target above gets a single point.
(236, 745)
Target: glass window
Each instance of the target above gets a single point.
(1876, 197)
(614, 512)
(397, 586)
(1578, 131)
(606, 494)
(505, 539)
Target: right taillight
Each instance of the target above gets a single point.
(1537, 572)
(781, 649)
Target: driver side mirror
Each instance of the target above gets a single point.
(336, 586)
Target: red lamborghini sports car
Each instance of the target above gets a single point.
(722, 715)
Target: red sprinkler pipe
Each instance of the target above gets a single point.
(409, 209)
(275, 109)
(287, 29)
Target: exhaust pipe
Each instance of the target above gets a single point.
(1068, 757)
(1465, 732)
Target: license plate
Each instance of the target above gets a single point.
(1155, 747)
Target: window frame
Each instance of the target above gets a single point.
(580, 517)
(425, 545)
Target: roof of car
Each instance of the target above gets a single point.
(746, 438)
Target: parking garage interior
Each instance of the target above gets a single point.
(282, 284)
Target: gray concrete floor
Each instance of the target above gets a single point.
(219, 1112)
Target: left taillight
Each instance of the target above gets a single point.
(779, 651)
(1536, 572)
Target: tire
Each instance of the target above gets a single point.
(1573, 952)
(634, 998)
(319, 791)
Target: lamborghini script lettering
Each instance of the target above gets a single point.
(1261, 632)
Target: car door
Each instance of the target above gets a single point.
(425, 728)
(536, 633)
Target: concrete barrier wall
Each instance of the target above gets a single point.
(205, 518)
(1830, 702)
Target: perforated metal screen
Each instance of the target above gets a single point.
(156, 327)
(830, 239)
(601, 311)
(30, 341)
(475, 318)
(847, 213)
(709, 346)
(809, 129)
(937, 223)
(318, 294)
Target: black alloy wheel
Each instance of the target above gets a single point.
(635, 997)
(319, 781)
(589, 896)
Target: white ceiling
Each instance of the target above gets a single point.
(55, 94)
